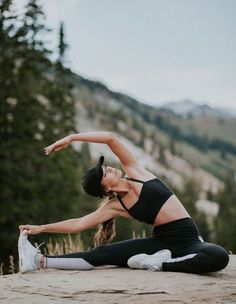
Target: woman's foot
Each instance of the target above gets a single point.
(29, 256)
(151, 262)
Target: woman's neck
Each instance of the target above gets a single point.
(123, 187)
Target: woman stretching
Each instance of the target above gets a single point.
(175, 244)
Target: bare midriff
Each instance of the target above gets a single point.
(172, 210)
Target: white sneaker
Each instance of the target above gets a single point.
(151, 262)
(27, 254)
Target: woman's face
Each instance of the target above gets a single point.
(111, 177)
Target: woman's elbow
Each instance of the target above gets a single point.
(111, 137)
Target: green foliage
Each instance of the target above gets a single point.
(35, 110)
(225, 222)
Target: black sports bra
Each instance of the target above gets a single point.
(153, 196)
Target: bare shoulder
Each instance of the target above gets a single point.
(136, 170)
(113, 206)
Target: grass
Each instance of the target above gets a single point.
(64, 245)
(12, 266)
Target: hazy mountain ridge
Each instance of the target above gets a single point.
(188, 107)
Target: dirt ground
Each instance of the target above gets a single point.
(107, 285)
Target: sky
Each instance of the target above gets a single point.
(157, 51)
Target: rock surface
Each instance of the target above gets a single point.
(107, 285)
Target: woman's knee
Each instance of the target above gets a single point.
(223, 257)
(219, 257)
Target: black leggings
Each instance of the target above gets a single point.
(181, 237)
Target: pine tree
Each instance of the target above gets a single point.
(62, 89)
(62, 45)
(35, 110)
(62, 122)
(34, 20)
(49, 115)
(8, 103)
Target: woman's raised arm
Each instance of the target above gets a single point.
(114, 143)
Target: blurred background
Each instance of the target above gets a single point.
(160, 74)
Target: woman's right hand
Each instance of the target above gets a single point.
(30, 229)
(58, 145)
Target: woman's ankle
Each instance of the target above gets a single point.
(42, 262)
(39, 260)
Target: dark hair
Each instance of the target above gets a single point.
(106, 231)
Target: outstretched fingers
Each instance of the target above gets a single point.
(50, 149)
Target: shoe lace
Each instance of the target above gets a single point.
(38, 246)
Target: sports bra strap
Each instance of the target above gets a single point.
(119, 197)
(123, 205)
(134, 180)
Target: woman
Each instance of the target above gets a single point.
(175, 245)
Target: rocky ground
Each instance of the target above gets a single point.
(116, 285)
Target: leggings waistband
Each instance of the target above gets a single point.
(182, 229)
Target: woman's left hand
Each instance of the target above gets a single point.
(30, 229)
(58, 145)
